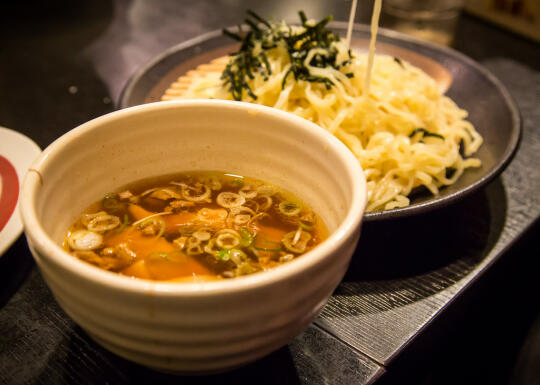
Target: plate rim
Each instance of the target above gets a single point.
(14, 224)
(437, 202)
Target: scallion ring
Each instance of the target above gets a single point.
(153, 226)
(210, 248)
(214, 183)
(192, 241)
(264, 202)
(296, 241)
(241, 219)
(195, 194)
(229, 199)
(84, 240)
(247, 238)
(238, 182)
(248, 192)
(289, 209)
(202, 235)
(86, 218)
(237, 256)
(227, 240)
(305, 226)
(181, 242)
(103, 223)
(223, 254)
(111, 202)
(241, 210)
(266, 190)
(194, 249)
(257, 217)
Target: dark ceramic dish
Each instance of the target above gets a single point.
(490, 107)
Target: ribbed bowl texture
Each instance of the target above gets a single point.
(193, 327)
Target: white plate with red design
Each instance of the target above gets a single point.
(17, 152)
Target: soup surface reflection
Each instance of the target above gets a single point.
(194, 227)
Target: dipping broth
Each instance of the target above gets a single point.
(194, 227)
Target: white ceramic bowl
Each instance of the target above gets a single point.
(193, 327)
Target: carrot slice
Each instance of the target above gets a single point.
(164, 269)
(268, 240)
(137, 269)
(138, 212)
(139, 243)
(155, 252)
(172, 221)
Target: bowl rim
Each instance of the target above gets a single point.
(50, 250)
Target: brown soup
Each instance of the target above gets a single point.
(194, 227)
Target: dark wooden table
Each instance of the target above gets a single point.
(402, 314)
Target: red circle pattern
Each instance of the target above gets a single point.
(9, 192)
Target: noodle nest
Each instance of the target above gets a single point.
(405, 133)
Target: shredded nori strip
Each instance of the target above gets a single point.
(245, 63)
(450, 171)
(425, 133)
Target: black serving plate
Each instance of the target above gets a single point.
(472, 87)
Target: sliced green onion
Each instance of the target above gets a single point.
(125, 224)
(296, 241)
(84, 240)
(103, 223)
(237, 256)
(241, 219)
(305, 226)
(229, 199)
(247, 238)
(223, 254)
(246, 268)
(263, 206)
(271, 245)
(289, 208)
(194, 249)
(201, 235)
(228, 240)
(110, 202)
(181, 242)
(154, 221)
(266, 190)
(239, 183)
(248, 192)
(214, 183)
(198, 195)
(211, 249)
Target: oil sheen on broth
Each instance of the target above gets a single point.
(194, 227)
